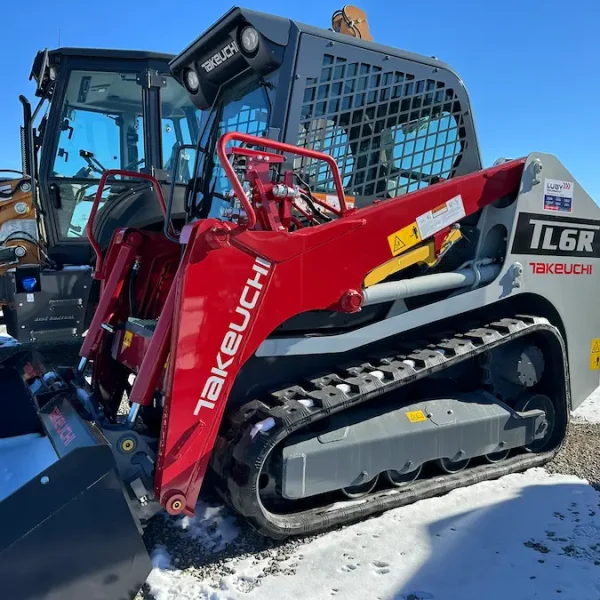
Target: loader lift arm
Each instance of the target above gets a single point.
(262, 257)
(269, 262)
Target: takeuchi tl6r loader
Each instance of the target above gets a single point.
(355, 315)
(98, 109)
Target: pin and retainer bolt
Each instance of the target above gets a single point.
(175, 504)
(127, 444)
(351, 301)
(537, 168)
(217, 237)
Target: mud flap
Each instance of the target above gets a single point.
(66, 529)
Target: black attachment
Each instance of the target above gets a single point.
(67, 530)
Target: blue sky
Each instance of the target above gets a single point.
(531, 67)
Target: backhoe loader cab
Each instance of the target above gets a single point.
(394, 121)
(98, 109)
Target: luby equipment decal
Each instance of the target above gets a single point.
(558, 195)
(550, 235)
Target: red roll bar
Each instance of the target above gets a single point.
(90, 224)
(280, 146)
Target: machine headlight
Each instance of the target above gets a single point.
(249, 39)
(192, 83)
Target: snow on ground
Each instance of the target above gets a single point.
(525, 536)
(589, 410)
(212, 526)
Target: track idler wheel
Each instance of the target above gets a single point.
(401, 478)
(449, 465)
(361, 489)
(539, 401)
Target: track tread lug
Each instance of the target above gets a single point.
(327, 380)
(458, 346)
(425, 358)
(295, 391)
(365, 383)
(330, 397)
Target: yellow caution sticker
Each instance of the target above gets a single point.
(595, 354)
(404, 238)
(415, 416)
(127, 340)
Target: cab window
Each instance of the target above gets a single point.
(180, 126)
(101, 128)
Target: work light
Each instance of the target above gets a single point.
(192, 83)
(249, 39)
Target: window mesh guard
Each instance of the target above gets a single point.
(243, 118)
(389, 133)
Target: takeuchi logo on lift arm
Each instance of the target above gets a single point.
(232, 340)
(220, 57)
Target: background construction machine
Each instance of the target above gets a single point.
(434, 335)
(100, 109)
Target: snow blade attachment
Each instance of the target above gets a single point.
(66, 530)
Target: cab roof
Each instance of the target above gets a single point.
(111, 53)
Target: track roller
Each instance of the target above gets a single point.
(449, 465)
(496, 457)
(361, 489)
(401, 478)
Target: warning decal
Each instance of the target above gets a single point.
(403, 239)
(595, 355)
(441, 216)
(127, 340)
(415, 416)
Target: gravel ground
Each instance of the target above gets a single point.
(581, 453)
(207, 557)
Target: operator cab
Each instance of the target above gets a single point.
(394, 121)
(109, 109)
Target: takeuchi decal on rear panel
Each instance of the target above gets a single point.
(558, 195)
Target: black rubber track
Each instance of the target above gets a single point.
(239, 457)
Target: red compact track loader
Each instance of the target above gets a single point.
(355, 315)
